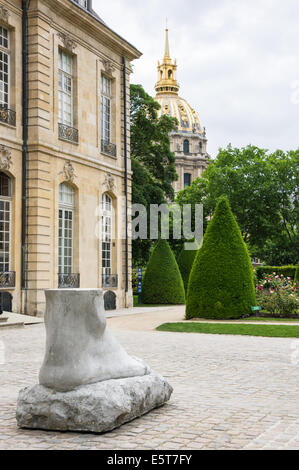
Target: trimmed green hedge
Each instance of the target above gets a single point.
(287, 271)
(185, 262)
(297, 273)
(221, 280)
(163, 282)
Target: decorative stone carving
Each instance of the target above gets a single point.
(5, 158)
(108, 65)
(87, 382)
(184, 116)
(4, 13)
(68, 41)
(166, 110)
(109, 182)
(68, 172)
(80, 350)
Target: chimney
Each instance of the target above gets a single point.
(89, 5)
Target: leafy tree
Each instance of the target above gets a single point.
(150, 142)
(153, 164)
(221, 282)
(262, 189)
(163, 282)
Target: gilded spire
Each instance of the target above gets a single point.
(167, 82)
(167, 53)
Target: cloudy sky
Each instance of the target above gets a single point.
(238, 62)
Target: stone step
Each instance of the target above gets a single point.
(11, 325)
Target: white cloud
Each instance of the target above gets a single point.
(237, 62)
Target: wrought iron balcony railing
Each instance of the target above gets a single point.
(108, 148)
(109, 280)
(8, 116)
(68, 133)
(7, 280)
(69, 281)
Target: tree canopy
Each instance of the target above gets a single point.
(153, 164)
(263, 191)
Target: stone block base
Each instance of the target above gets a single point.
(95, 408)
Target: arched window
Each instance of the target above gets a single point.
(187, 179)
(200, 147)
(186, 146)
(169, 74)
(66, 228)
(5, 222)
(107, 210)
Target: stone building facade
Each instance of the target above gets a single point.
(65, 178)
(189, 141)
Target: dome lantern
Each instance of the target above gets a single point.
(167, 82)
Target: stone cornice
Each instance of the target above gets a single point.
(78, 40)
(90, 25)
(12, 7)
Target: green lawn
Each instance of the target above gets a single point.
(249, 319)
(274, 331)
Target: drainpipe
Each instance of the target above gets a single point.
(126, 170)
(25, 142)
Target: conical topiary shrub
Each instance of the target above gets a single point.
(163, 282)
(185, 262)
(221, 281)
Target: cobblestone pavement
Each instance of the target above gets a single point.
(230, 392)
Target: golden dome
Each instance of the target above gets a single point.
(167, 89)
(174, 106)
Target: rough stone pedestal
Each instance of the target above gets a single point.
(88, 382)
(95, 408)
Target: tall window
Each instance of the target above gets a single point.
(4, 67)
(66, 229)
(187, 180)
(65, 86)
(5, 222)
(200, 147)
(107, 235)
(186, 146)
(106, 109)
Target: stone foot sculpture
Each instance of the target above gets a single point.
(88, 382)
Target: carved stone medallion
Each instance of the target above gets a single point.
(109, 182)
(5, 158)
(68, 172)
(68, 41)
(4, 14)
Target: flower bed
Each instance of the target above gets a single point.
(279, 296)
